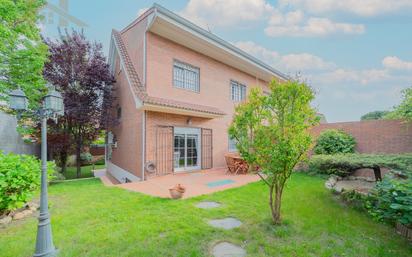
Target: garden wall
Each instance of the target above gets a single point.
(375, 136)
(10, 139)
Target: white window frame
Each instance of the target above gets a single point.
(237, 91)
(231, 144)
(186, 76)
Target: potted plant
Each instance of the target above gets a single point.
(177, 191)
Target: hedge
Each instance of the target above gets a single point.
(345, 164)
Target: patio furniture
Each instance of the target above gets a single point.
(231, 165)
(235, 164)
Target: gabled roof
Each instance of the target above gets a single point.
(176, 28)
(156, 103)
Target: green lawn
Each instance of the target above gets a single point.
(92, 220)
(86, 171)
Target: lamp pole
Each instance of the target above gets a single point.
(44, 240)
(52, 106)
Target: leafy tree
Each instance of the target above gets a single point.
(404, 109)
(332, 141)
(22, 51)
(80, 70)
(375, 115)
(272, 133)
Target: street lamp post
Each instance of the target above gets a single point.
(52, 106)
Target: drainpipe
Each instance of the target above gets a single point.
(143, 144)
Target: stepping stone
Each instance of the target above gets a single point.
(227, 223)
(226, 249)
(208, 205)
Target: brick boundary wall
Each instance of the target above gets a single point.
(375, 136)
(97, 150)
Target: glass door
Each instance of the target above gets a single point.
(186, 152)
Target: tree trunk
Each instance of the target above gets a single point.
(78, 160)
(63, 162)
(275, 202)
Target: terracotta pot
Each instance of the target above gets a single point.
(175, 193)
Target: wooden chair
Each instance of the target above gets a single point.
(232, 168)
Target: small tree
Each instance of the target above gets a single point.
(22, 52)
(80, 70)
(272, 133)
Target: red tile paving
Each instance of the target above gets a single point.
(196, 183)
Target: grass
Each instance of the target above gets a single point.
(86, 171)
(92, 220)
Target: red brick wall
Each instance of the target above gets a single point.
(96, 150)
(375, 136)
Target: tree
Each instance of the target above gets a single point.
(404, 109)
(22, 51)
(79, 69)
(375, 115)
(272, 133)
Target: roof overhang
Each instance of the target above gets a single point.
(180, 111)
(177, 29)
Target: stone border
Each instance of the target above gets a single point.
(28, 210)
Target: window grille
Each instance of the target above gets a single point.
(237, 91)
(186, 76)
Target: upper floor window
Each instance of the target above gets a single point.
(186, 76)
(237, 91)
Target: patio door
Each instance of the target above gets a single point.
(186, 154)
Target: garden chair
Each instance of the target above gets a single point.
(232, 168)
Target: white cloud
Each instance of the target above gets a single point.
(288, 63)
(395, 63)
(305, 61)
(296, 25)
(363, 77)
(358, 7)
(210, 13)
(245, 13)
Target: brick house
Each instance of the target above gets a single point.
(177, 85)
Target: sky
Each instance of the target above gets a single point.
(357, 55)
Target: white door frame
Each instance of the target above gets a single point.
(189, 131)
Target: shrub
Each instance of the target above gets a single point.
(344, 164)
(391, 199)
(333, 141)
(86, 157)
(19, 178)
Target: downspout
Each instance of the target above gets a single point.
(143, 144)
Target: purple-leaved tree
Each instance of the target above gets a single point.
(80, 71)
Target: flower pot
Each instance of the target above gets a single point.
(177, 191)
(175, 194)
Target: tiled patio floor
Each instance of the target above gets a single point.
(196, 183)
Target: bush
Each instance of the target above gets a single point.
(19, 178)
(86, 158)
(391, 199)
(344, 164)
(333, 141)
